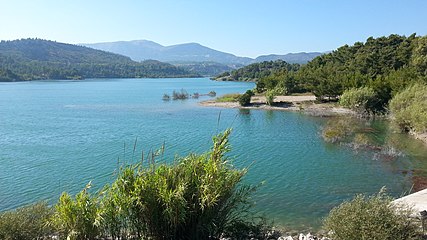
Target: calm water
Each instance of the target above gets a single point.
(58, 135)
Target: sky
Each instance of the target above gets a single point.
(242, 27)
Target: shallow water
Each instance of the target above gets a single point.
(58, 135)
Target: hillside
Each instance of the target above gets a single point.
(206, 69)
(31, 59)
(256, 71)
(300, 58)
(386, 65)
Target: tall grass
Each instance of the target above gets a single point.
(199, 196)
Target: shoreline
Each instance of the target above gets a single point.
(305, 104)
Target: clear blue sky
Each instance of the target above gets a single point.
(242, 27)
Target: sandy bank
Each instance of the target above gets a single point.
(286, 103)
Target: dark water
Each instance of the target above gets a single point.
(58, 135)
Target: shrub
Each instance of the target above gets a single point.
(211, 94)
(77, 218)
(250, 93)
(359, 99)
(245, 99)
(371, 218)
(269, 97)
(166, 97)
(338, 130)
(409, 108)
(30, 222)
(197, 197)
(181, 95)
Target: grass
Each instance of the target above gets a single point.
(231, 97)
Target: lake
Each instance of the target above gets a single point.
(57, 136)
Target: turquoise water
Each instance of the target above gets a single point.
(58, 135)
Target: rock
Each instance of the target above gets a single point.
(285, 238)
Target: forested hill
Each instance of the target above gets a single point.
(256, 71)
(385, 64)
(32, 59)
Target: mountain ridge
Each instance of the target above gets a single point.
(139, 50)
(36, 59)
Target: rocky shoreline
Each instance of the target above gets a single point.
(278, 236)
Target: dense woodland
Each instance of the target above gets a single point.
(33, 59)
(387, 65)
(206, 68)
(257, 71)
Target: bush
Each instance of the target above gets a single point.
(166, 97)
(338, 130)
(30, 222)
(181, 95)
(269, 97)
(77, 218)
(195, 197)
(245, 99)
(409, 109)
(359, 99)
(371, 218)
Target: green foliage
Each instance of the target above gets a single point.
(257, 71)
(419, 59)
(30, 222)
(77, 218)
(269, 97)
(195, 197)
(204, 68)
(409, 108)
(33, 59)
(359, 99)
(386, 65)
(373, 218)
(245, 99)
(337, 130)
(231, 97)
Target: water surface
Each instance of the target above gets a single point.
(58, 135)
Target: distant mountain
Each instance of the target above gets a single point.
(300, 58)
(30, 59)
(140, 50)
(206, 69)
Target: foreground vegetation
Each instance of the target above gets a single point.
(373, 218)
(109, 216)
(195, 197)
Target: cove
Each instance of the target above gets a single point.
(59, 135)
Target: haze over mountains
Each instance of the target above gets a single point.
(140, 50)
(33, 59)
